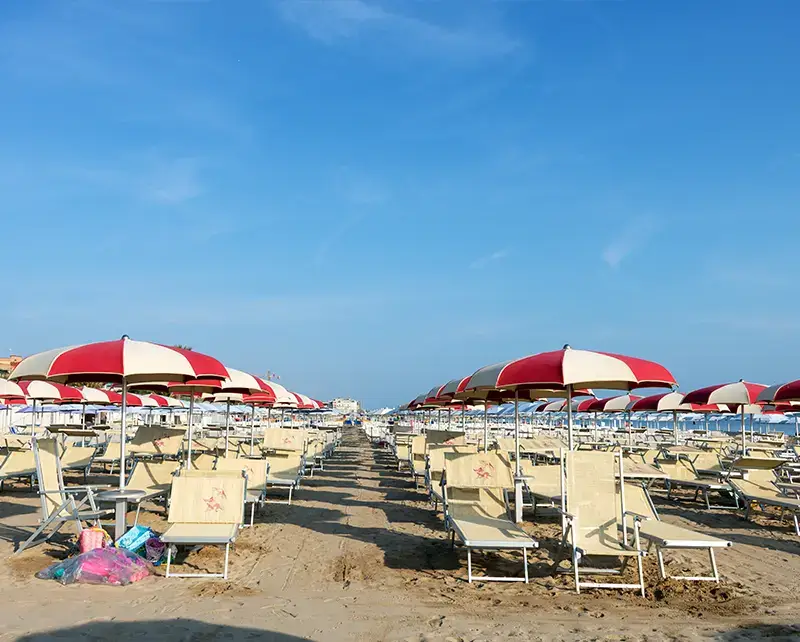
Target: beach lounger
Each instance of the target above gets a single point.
(257, 472)
(681, 474)
(758, 485)
(435, 469)
(418, 461)
(60, 504)
(78, 458)
(593, 518)
(474, 487)
(668, 536)
(284, 440)
(542, 483)
(152, 477)
(17, 464)
(156, 441)
(206, 509)
(446, 438)
(110, 456)
(284, 472)
(203, 461)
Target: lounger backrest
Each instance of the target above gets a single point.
(650, 456)
(506, 445)
(207, 498)
(203, 461)
(418, 448)
(677, 469)
(705, 461)
(542, 479)
(151, 475)
(112, 452)
(591, 487)
(284, 439)
(48, 472)
(436, 456)
(446, 437)
(18, 462)
(156, 440)
(478, 470)
(284, 463)
(758, 470)
(77, 456)
(255, 469)
(403, 451)
(636, 501)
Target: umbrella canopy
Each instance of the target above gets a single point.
(157, 401)
(567, 369)
(10, 389)
(741, 396)
(105, 397)
(781, 392)
(610, 404)
(49, 391)
(121, 360)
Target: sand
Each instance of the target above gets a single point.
(362, 556)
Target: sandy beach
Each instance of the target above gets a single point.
(361, 555)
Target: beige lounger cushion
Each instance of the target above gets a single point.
(77, 457)
(542, 480)
(200, 533)
(476, 526)
(156, 440)
(18, 463)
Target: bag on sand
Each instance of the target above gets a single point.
(92, 538)
(113, 566)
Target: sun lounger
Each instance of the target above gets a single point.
(203, 461)
(435, 469)
(542, 483)
(681, 474)
(110, 456)
(257, 472)
(418, 459)
(17, 464)
(476, 510)
(758, 486)
(446, 438)
(152, 477)
(284, 440)
(78, 458)
(593, 517)
(285, 471)
(206, 509)
(669, 536)
(59, 504)
(156, 441)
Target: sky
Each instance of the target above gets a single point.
(373, 197)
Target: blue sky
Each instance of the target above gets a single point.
(373, 197)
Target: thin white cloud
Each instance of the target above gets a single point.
(335, 21)
(359, 188)
(483, 261)
(629, 240)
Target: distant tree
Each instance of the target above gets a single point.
(182, 347)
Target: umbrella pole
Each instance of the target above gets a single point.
(486, 427)
(675, 425)
(517, 479)
(630, 429)
(252, 428)
(744, 435)
(33, 419)
(570, 440)
(227, 424)
(189, 449)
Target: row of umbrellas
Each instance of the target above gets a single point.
(569, 373)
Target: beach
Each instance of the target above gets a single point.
(361, 555)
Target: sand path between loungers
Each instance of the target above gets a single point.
(362, 556)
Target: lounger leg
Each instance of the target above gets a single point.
(705, 494)
(641, 573)
(660, 556)
(291, 488)
(227, 550)
(713, 564)
(796, 525)
(469, 565)
(525, 563)
(169, 558)
(452, 540)
(252, 514)
(575, 570)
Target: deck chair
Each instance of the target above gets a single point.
(18, 464)
(284, 440)
(435, 469)
(402, 450)
(156, 441)
(60, 504)
(758, 486)
(206, 509)
(417, 460)
(284, 472)
(257, 471)
(78, 458)
(542, 484)
(110, 456)
(203, 461)
(446, 437)
(668, 536)
(681, 474)
(593, 517)
(152, 477)
(476, 510)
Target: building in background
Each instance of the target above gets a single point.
(7, 364)
(346, 406)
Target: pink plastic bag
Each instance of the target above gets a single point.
(115, 566)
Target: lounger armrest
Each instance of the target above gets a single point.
(637, 516)
(564, 513)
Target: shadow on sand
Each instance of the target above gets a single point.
(179, 629)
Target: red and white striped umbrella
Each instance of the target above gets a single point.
(158, 401)
(123, 360)
(50, 391)
(612, 404)
(102, 396)
(10, 389)
(781, 392)
(740, 396)
(567, 369)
